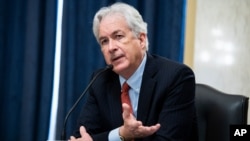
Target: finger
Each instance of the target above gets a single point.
(82, 130)
(157, 126)
(144, 131)
(72, 138)
(151, 129)
(126, 110)
(154, 127)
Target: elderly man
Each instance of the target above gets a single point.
(160, 92)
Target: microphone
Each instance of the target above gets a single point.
(63, 134)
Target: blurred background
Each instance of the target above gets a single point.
(216, 44)
(48, 53)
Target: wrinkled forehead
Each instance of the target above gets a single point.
(111, 15)
(111, 24)
(113, 21)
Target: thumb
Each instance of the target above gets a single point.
(82, 130)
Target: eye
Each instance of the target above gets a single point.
(118, 36)
(104, 41)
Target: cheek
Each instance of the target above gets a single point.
(106, 56)
(135, 51)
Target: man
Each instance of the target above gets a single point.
(161, 91)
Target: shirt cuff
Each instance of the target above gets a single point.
(114, 135)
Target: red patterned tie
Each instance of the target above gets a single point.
(125, 96)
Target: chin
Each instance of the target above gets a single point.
(119, 68)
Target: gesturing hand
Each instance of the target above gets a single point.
(134, 129)
(84, 136)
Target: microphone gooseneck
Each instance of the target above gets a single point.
(63, 134)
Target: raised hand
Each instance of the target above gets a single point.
(133, 128)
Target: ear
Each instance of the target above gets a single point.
(142, 38)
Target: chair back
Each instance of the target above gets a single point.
(216, 111)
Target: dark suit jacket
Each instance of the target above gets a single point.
(166, 97)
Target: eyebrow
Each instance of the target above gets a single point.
(113, 33)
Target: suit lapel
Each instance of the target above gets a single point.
(145, 98)
(147, 90)
(114, 91)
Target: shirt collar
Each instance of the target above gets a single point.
(135, 80)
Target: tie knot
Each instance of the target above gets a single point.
(125, 87)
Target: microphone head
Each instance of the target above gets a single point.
(110, 66)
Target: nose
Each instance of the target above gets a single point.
(112, 46)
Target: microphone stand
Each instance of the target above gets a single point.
(63, 134)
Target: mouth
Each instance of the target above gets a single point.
(116, 58)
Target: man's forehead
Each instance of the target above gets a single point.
(110, 29)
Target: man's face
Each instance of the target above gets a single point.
(120, 46)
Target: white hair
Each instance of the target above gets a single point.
(131, 15)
